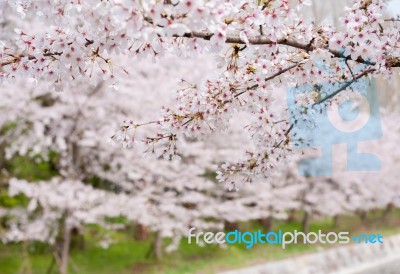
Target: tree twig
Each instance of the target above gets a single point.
(345, 86)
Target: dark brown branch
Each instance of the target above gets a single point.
(256, 40)
(392, 20)
(283, 71)
(280, 72)
(286, 136)
(16, 59)
(345, 86)
(348, 66)
(188, 121)
(264, 40)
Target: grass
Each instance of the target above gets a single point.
(129, 256)
(31, 169)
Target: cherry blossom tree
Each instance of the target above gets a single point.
(74, 128)
(55, 209)
(167, 197)
(262, 46)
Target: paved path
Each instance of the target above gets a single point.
(389, 265)
(348, 259)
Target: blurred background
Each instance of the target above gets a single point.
(72, 201)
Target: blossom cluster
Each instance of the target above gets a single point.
(262, 47)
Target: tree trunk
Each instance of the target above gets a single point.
(77, 239)
(305, 224)
(363, 216)
(388, 210)
(158, 245)
(141, 232)
(266, 223)
(292, 216)
(336, 221)
(2, 156)
(231, 226)
(156, 249)
(66, 241)
(26, 267)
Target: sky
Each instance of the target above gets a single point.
(394, 7)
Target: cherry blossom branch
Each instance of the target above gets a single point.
(263, 40)
(256, 40)
(345, 86)
(286, 136)
(160, 137)
(348, 66)
(17, 58)
(393, 20)
(280, 72)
